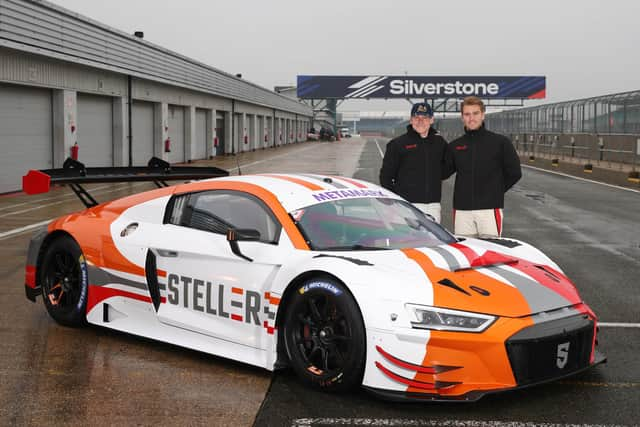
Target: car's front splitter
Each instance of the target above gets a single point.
(472, 396)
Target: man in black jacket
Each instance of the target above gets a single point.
(486, 166)
(412, 166)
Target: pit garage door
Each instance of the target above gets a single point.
(201, 135)
(95, 130)
(142, 124)
(238, 135)
(249, 132)
(261, 132)
(176, 133)
(26, 133)
(222, 141)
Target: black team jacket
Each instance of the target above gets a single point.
(413, 166)
(486, 166)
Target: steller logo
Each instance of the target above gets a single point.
(563, 355)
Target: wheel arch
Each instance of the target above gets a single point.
(282, 357)
(51, 237)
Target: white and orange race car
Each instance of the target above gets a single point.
(338, 278)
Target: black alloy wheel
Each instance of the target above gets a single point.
(324, 335)
(63, 277)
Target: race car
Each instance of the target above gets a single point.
(345, 282)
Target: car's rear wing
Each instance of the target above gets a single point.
(74, 173)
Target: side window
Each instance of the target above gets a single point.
(217, 211)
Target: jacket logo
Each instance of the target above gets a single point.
(563, 355)
(461, 147)
(409, 147)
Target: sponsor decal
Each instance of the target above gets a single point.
(347, 194)
(563, 355)
(85, 281)
(223, 301)
(457, 88)
(320, 285)
(353, 87)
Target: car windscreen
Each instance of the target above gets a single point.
(368, 224)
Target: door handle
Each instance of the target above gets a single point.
(167, 254)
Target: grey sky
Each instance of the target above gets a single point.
(584, 47)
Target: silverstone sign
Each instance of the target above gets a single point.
(365, 87)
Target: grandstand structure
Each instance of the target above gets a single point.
(617, 113)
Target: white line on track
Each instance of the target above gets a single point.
(310, 422)
(112, 190)
(34, 200)
(582, 179)
(24, 229)
(379, 149)
(618, 325)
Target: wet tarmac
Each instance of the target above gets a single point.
(52, 375)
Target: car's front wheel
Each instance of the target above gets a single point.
(324, 335)
(63, 277)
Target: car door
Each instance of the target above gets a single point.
(209, 289)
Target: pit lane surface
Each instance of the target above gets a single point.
(593, 232)
(55, 375)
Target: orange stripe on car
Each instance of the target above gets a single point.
(310, 185)
(92, 227)
(453, 348)
(238, 291)
(509, 302)
(263, 194)
(93, 232)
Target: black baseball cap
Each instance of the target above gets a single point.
(421, 109)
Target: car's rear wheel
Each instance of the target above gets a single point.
(324, 335)
(63, 277)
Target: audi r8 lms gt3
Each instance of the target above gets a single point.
(340, 279)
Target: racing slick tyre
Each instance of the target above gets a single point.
(63, 278)
(324, 335)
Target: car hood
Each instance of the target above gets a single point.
(476, 276)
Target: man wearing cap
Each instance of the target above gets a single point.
(486, 166)
(412, 166)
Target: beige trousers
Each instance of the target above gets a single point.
(432, 209)
(478, 223)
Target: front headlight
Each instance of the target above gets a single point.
(444, 319)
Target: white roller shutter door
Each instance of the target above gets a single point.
(26, 133)
(201, 135)
(223, 144)
(142, 125)
(176, 133)
(95, 130)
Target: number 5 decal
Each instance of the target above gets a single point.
(563, 355)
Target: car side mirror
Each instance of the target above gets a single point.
(234, 235)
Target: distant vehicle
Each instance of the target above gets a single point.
(327, 134)
(345, 132)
